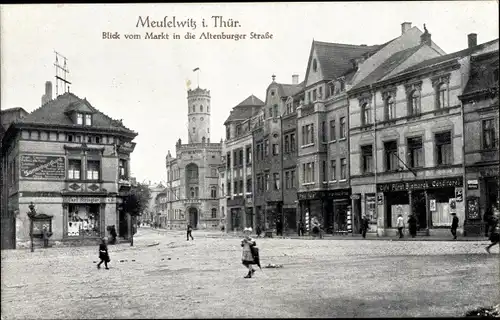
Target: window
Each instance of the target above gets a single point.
(192, 192)
(390, 108)
(276, 149)
(122, 167)
(367, 159)
(259, 183)
(240, 157)
(194, 130)
(366, 114)
(83, 220)
(333, 170)
(266, 147)
(391, 160)
(444, 154)
(320, 92)
(333, 136)
(414, 103)
(74, 169)
(343, 169)
(292, 178)
(213, 192)
(270, 112)
(323, 171)
(275, 110)
(307, 134)
(97, 140)
(222, 190)
(235, 158)
(238, 130)
(79, 118)
(213, 172)
(70, 138)
(241, 186)
(309, 97)
(315, 65)
(249, 155)
(342, 128)
(489, 137)
(228, 133)
(292, 142)
(287, 179)
(228, 157)
(415, 152)
(201, 108)
(266, 181)
(88, 119)
(92, 170)
(308, 169)
(314, 95)
(229, 189)
(249, 185)
(214, 213)
(287, 143)
(442, 96)
(194, 108)
(276, 179)
(323, 131)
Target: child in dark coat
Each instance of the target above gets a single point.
(103, 255)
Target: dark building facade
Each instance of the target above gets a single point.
(481, 134)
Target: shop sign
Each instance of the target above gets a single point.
(331, 194)
(307, 195)
(355, 196)
(380, 199)
(432, 205)
(126, 147)
(459, 194)
(420, 185)
(43, 167)
(472, 184)
(82, 200)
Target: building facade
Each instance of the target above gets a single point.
(481, 134)
(72, 163)
(406, 137)
(238, 153)
(192, 175)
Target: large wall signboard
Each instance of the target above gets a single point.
(42, 167)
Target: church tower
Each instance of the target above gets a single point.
(199, 115)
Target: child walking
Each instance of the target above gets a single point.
(247, 256)
(103, 254)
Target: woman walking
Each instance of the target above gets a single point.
(103, 254)
(247, 255)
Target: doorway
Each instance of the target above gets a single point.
(193, 217)
(123, 225)
(419, 209)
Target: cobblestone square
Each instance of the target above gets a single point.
(165, 276)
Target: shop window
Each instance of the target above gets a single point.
(366, 114)
(367, 159)
(342, 128)
(83, 220)
(343, 169)
(214, 213)
(74, 169)
(93, 168)
(333, 170)
(391, 160)
(332, 130)
(489, 137)
(276, 179)
(444, 152)
(415, 152)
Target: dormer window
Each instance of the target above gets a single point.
(79, 118)
(88, 119)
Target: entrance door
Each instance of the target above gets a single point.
(123, 225)
(193, 217)
(419, 209)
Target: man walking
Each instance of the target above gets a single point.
(454, 225)
(400, 225)
(301, 228)
(364, 226)
(189, 230)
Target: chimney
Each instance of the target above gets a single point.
(472, 37)
(48, 93)
(295, 79)
(425, 38)
(405, 26)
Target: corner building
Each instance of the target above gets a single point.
(72, 162)
(192, 174)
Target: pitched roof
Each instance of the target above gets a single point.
(55, 112)
(245, 109)
(387, 66)
(447, 57)
(335, 59)
(288, 90)
(482, 73)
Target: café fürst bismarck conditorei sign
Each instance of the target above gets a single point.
(42, 167)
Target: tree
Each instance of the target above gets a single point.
(135, 203)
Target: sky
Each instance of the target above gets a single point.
(143, 81)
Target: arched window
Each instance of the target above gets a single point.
(192, 193)
(441, 96)
(213, 192)
(201, 108)
(390, 108)
(214, 213)
(414, 103)
(366, 114)
(191, 171)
